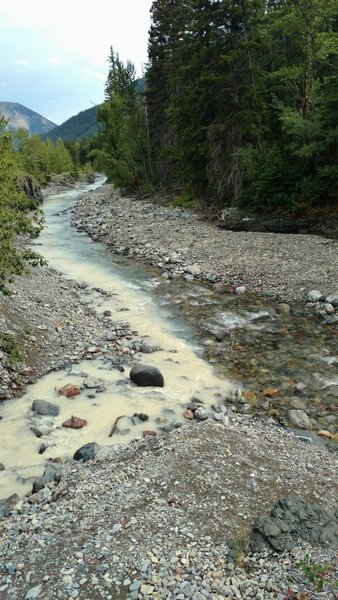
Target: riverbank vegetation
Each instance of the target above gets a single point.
(19, 214)
(239, 107)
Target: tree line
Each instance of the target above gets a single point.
(240, 105)
(21, 155)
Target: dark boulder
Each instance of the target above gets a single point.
(290, 519)
(144, 375)
(86, 452)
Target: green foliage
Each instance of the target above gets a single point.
(10, 346)
(320, 576)
(17, 216)
(41, 159)
(242, 101)
(123, 149)
(317, 574)
(186, 200)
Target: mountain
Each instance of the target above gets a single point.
(19, 116)
(80, 126)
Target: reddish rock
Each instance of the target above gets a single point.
(70, 390)
(93, 350)
(188, 414)
(271, 392)
(149, 432)
(74, 423)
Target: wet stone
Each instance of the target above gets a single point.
(70, 390)
(41, 407)
(201, 414)
(86, 452)
(144, 376)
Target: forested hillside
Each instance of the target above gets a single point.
(240, 104)
(82, 125)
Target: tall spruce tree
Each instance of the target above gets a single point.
(123, 152)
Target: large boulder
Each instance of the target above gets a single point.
(290, 519)
(144, 375)
(86, 452)
(41, 407)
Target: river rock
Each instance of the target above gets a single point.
(332, 299)
(290, 519)
(92, 383)
(144, 375)
(74, 423)
(6, 505)
(329, 308)
(41, 407)
(299, 418)
(315, 296)
(201, 414)
(86, 452)
(70, 390)
(52, 472)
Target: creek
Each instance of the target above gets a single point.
(210, 344)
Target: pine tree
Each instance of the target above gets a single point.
(123, 151)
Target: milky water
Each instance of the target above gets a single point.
(186, 374)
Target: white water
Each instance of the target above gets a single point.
(186, 374)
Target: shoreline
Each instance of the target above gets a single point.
(154, 519)
(285, 267)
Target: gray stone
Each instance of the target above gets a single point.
(34, 592)
(145, 375)
(332, 299)
(92, 383)
(2, 467)
(299, 419)
(86, 452)
(201, 414)
(52, 472)
(315, 296)
(290, 519)
(135, 585)
(41, 407)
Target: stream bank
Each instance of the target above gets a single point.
(250, 295)
(155, 519)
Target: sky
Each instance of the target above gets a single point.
(54, 55)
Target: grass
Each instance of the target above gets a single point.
(9, 345)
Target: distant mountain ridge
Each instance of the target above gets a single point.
(19, 116)
(82, 125)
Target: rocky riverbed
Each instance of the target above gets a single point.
(168, 516)
(181, 244)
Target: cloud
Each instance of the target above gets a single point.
(55, 60)
(22, 62)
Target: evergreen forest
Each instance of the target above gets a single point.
(239, 108)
